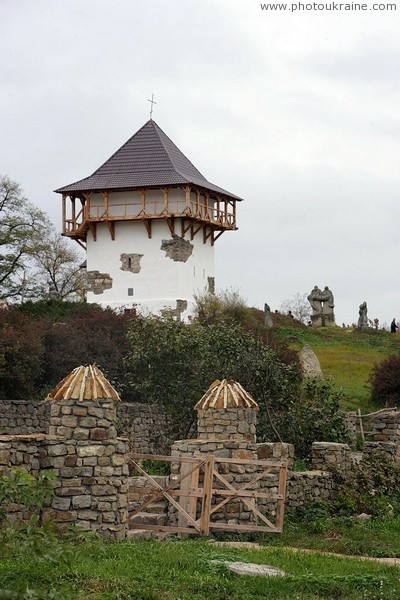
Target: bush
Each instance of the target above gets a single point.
(385, 381)
(19, 487)
(173, 364)
(21, 352)
(372, 487)
(310, 416)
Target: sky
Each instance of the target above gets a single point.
(295, 111)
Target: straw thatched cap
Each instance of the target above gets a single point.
(226, 394)
(84, 383)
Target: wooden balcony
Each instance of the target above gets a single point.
(187, 216)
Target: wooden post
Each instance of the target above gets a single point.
(281, 501)
(64, 213)
(361, 425)
(207, 494)
(73, 212)
(188, 503)
(143, 199)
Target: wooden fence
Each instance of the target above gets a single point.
(200, 490)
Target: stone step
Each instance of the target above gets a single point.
(154, 507)
(158, 507)
(143, 534)
(149, 519)
(138, 534)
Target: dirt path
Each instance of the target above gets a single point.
(254, 546)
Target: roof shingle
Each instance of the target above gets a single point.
(148, 159)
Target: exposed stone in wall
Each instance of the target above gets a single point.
(211, 284)
(181, 306)
(98, 282)
(131, 262)
(178, 249)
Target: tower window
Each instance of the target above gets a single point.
(130, 291)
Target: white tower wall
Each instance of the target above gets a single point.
(150, 273)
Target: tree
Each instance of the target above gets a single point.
(385, 381)
(58, 271)
(22, 227)
(35, 262)
(299, 307)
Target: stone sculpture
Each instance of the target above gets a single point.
(267, 316)
(322, 304)
(363, 319)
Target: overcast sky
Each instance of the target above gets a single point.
(296, 112)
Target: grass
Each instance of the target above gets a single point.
(345, 355)
(180, 570)
(378, 537)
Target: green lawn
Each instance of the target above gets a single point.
(181, 570)
(346, 356)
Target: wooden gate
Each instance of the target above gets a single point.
(200, 490)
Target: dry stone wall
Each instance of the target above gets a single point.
(144, 425)
(21, 417)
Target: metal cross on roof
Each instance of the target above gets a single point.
(151, 102)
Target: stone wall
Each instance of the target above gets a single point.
(328, 455)
(144, 425)
(385, 427)
(21, 417)
(92, 479)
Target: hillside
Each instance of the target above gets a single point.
(346, 355)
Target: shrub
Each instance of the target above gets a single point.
(385, 381)
(311, 415)
(174, 364)
(373, 487)
(21, 352)
(19, 487)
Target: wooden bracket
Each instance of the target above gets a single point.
(185, 228)
(171, 224)
(194, 230)
(93, 230)
(147, 224)
(111, 228)
(82, 244)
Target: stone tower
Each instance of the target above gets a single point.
(148, 220)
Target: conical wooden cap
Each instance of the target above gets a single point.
(226, 394)
(84, 383)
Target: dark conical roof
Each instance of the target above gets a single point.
(148, 159)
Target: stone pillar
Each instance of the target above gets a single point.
(87, 457)
(328, 455)
(226, 417)
(233, 423)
